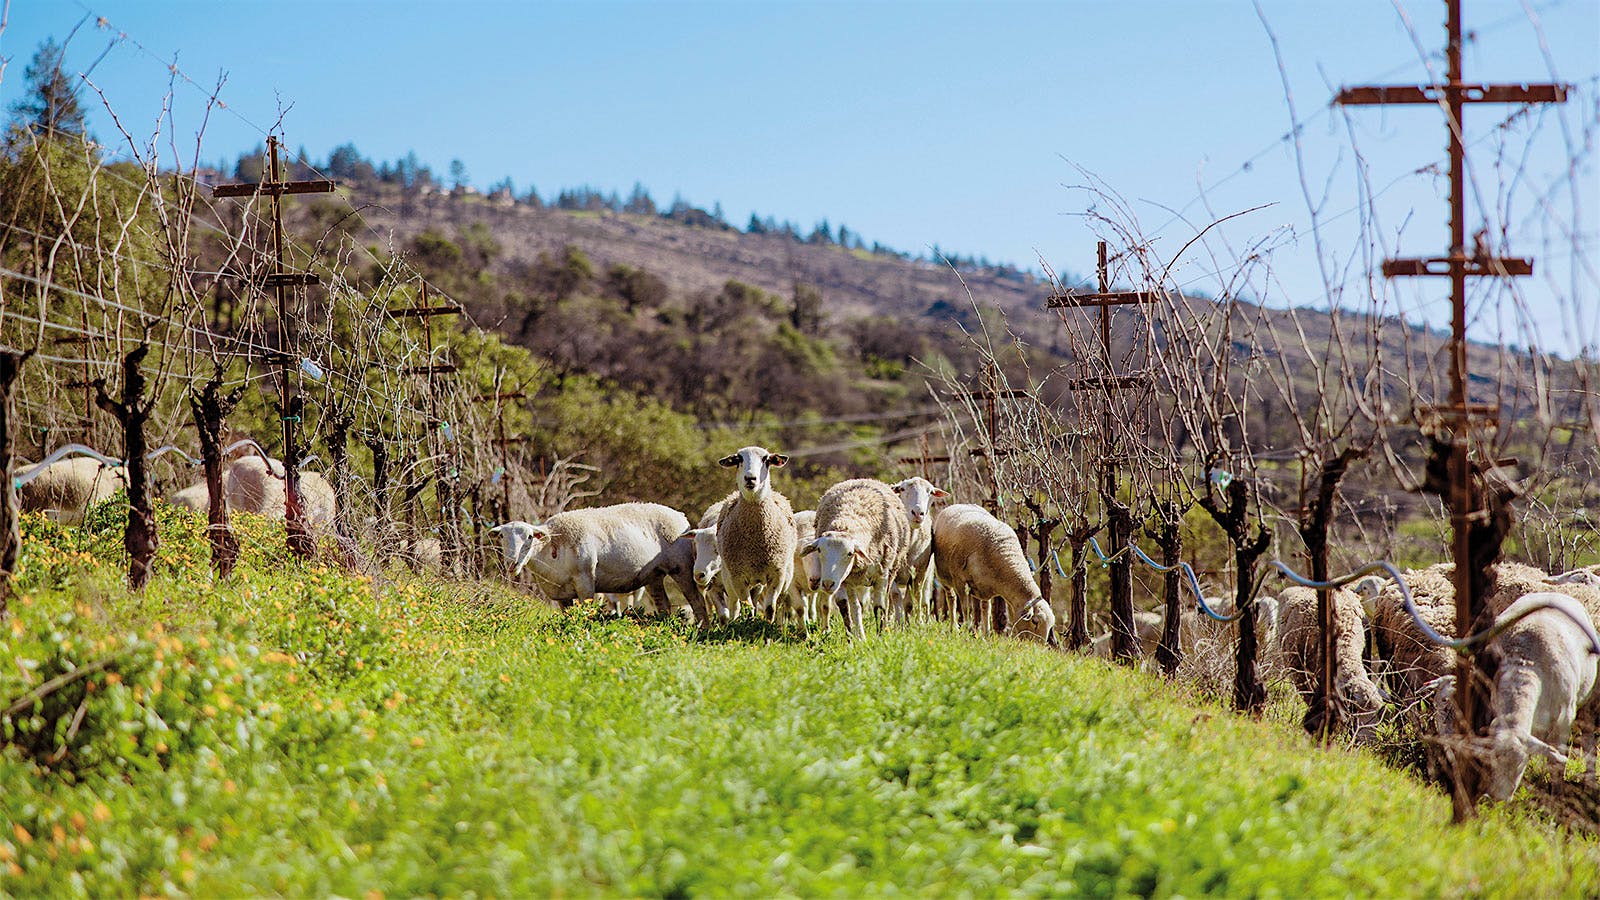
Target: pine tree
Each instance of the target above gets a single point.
(50, 102)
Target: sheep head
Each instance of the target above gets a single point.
(755, 466)
(918, 495)
(839, 554)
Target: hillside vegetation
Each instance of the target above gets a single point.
(300, 731)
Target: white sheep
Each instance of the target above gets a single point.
(804, 591)
(915, 581)
(1356, 698)
(584, 552)
(196, 498)
(1545, 672)
(1412, 661)
(862, 536)
(756, 534)
(978, 557)
(257, 485)
(707, 562)
(65, 489)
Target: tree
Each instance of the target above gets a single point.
(458, 174)
(50, 102)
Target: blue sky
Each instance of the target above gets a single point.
(968, 125)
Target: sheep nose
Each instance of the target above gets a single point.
(814, 583)
(828, 586)
(749, 482)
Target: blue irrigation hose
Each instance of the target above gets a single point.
(1060, 571)
(1104, 559)
(1194, 584)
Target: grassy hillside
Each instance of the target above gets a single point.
(303, 731)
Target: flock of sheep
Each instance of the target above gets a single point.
(868, 546)
(871, 547)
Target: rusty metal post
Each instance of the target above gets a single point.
(1471, 610)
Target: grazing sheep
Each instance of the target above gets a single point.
(915, 581)
(65, 489)
(195, 497)
(861, 543)
(1146, 627)
(583, 552)
(1356, 697)
(1545, 672)
(756, 534)
(1412, 661)
(978, 557)
(427, 554)
(256, 485)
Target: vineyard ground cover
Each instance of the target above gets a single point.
(301, 731)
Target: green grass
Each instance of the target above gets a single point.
(301, 731)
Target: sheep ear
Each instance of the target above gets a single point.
(900, 487)
(687, 534)
(728, 462)
(539, 531)
(809, 548)
(861, 555)
(940, 494)
(777, 460)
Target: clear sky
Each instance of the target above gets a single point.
(971, 126)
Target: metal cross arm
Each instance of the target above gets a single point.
(1373, 95)
(273, 188)
(425, 312)
(1101, 299)
(1479, 266)
(1110, 382)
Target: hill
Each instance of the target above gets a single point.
(301, 731)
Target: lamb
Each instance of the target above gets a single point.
(979, 557)
(756, 533)
(1356, 698)
(1412, 660)
(915, 580)
(66, 488)
(257, 485)
(1546, 670)
(584, 552)
(862, 536)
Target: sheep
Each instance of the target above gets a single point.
(66, 488)
(427, 554)
(1356, 698)
(1545, 672)
(915, 578)
(1411, 659)
(808, 572)
(707, 563)
(677, 561)
(195, 498)
(756, 533)
(257, 485)
(979, 557)
(584, 552)
(862, 536)
(1146, 627)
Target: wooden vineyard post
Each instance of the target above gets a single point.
(441, 433)
(291, 405)
(1119, 518)
(1476, 542)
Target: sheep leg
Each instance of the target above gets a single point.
(657, 591)
(857, 615)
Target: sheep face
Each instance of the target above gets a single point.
(1508, 759)
(838, 556)
(1038, 621)
(522, 541)
(918, 495)
(755, 465)
(707, 563)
